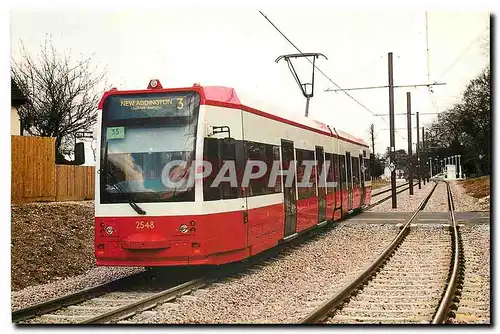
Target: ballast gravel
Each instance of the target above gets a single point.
(415, 274)
(40, 293)
(405, 202)
(377, 190)
(474, 306)
(439, 199)
(465, 202)
(284, 289)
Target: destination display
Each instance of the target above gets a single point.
(149, 105)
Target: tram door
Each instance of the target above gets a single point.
(362, 178)
(289, 192)
(348, 166)
(320, 160)
(342, 181)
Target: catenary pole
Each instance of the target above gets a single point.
(408, 118)
(424, 157)
(418, 155)
(391, 125)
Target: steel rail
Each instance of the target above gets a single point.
(74, 298)
(389, 189)
(447, 300)
(384, 199)
(325, 309)
(147, 303)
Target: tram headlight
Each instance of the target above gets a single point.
(109, 229)
(184, 228)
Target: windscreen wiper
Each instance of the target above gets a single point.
(108, 171)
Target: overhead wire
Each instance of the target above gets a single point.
(323, 73)
(429, 89)
(463, 53)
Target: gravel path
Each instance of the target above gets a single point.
(283, 290)
(405, 202)
(439, 199)
(464, 202)
(40, 293)
(474, 306)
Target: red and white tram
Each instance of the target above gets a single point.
(140, 220)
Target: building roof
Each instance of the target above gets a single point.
(17, 97)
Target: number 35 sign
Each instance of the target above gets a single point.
(117, 132)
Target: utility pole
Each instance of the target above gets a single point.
(372, 137)
(391, 87)
(424, 156)
(459, 167)
(391, 125)
(427, 170)
(418, 155)
(430, 167)
(408, 118)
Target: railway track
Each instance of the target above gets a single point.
(116, 301)
(414, 280)
(387, 197)
(121, 299)
(389, 189)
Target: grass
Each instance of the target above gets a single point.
(477, 187)
(380, 183)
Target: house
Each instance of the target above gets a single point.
(17, 99)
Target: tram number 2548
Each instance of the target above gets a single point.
(144, 224)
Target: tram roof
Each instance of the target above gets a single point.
(227, 97)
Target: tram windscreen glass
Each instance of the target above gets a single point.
(148, 147)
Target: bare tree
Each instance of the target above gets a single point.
(465, 128)
(62, 95)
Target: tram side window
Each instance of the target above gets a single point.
(257, 152)
(343, 170)
(330, 177)
(217, 152)
(310, 190)
(336, 170)
(368, 170)
(355, 171)
(228, 152)
(272, 154)
(268, 154)
(211, 154)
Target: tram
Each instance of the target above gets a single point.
(195, 176)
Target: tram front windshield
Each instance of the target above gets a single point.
(141, 134)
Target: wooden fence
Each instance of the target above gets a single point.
(36, 177)
(74, 183)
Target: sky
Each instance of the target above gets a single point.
(236, 47)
